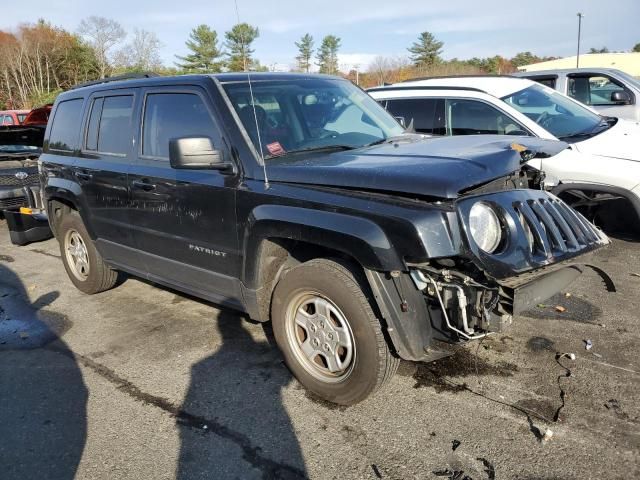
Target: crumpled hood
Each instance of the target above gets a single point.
(430, 166)
(620, 141)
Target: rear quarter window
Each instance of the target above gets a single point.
(66, 125)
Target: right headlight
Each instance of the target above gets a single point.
(485, 227)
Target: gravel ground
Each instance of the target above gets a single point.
(143, 382)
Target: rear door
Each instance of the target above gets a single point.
(102, 168)
(184, 220)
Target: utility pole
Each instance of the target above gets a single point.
(580, 15)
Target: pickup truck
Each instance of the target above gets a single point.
(609, 91)
(296, 198)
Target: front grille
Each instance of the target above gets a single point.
(10, 180)
(12, 203)
(539, 229)
(553, 227)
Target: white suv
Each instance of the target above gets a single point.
(599, 173)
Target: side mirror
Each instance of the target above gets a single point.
(621, 97)
(196, 153)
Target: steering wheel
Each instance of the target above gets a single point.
(328, 134)
(543, 119)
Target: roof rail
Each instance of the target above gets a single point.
(471, 75)
(126, 76)
(425, 87)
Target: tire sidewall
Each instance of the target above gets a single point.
(73, 221)
(363, 379)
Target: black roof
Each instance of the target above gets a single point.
(135, 80)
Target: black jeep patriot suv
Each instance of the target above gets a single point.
(298, 199)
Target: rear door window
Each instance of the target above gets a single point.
(472, 117)
(114, 132)
(174, 115)
(66, 125)
(8, 120)
(421, 112)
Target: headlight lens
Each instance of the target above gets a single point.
(485, 227)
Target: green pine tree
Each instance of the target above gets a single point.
(305, 52)
(426, 51)
(205, 56)
(238, 44)
(328, 55)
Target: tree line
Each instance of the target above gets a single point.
(39, 60)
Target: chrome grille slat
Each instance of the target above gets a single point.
(539, 234)
(590, 235)
(562, 224)
(549, 223)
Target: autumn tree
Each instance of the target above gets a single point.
(305, 52)
(206, 55)
(328, 55)
(426, 51)
(524, 58)
(38, 61)
(238, 44)
(102, 34)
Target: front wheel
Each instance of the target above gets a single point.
(329, 335)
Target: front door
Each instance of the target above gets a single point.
(184, 220)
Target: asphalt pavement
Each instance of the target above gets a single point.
(142, 382)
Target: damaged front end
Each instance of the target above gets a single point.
(543, 246)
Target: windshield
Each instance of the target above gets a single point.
(554, 112)
(304, 114)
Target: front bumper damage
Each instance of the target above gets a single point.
(29, 223)
(548, 245)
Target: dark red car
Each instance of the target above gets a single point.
(13, 117)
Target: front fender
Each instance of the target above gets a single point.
(357, 237)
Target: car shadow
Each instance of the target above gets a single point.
(43, 398)
(236, 424)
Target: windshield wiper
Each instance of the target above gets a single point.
(315, 149)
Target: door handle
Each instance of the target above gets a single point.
(84, 175)
(143, 185)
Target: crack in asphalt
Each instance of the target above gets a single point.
(251, 454)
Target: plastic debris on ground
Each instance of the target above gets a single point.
(588, 344)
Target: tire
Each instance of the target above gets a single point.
(328, 333)
(90, 275)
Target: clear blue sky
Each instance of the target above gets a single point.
(367, 28)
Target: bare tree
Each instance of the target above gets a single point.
(142, 53)
(388, 69)
(102, 34)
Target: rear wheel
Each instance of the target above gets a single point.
(82, 261)
(329, 335)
